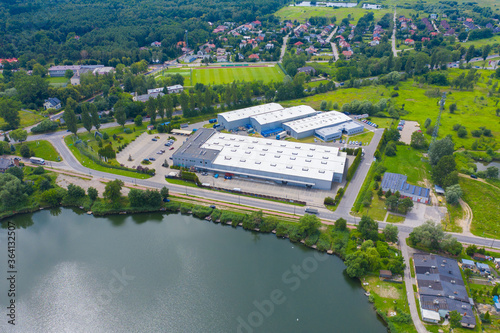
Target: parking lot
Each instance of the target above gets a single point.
(408, 128)
(145, 148)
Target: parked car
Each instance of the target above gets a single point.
(154, 139)
(212, 206)
(167, 144)
(170, 158)
(152, 159)
(216, 175)
(473, 176)
(171, 148)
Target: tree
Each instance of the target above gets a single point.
(121, 117)
(308, 224)
(70, 120)
(428, 234)
(138, 120)
(17, 172)
(9, 111)
(356, 264)
(390, 149)
(427, 122)
(470, 53)
(462, 132)
(405, 205)
(453, 193)
(96, 121)
(25, 151)
(440, 148)
(368, 228)
(39, 70)
(92, 193)
(453, 107)
(107, 152)
(68, 74)
(12, 191)
(18, 135)
(164, 192)
(340, 224)
(112, 191)
(418, 140)
(323, 105)
(492, 172)
(391, 233)
(486, 51)
(392, 203)
(442, 171)
(54, 196)
(86, 120)
(136, 198)
(75, 192)
(455, 317)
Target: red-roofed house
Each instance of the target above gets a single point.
(347, 54)
(256, 23)
(9, 60)
(181, 44)
(409, 41)
(253, 56)
(469, 20)
(434, 34)
(425, 38)
(298, 44)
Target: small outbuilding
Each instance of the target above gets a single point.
(385, 274)
(479, 256)
(468, 264)
(483, 268)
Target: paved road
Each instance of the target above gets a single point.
(334, 46)
(283, 48)
(409, 285)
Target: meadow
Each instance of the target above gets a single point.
(474, 108)
(231, 74)
(483, 199)
(27, 119)
(303, 13)
(57, 81)
(184, 71)
(41, 148)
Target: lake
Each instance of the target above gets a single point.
(483, 167)
(172, 273)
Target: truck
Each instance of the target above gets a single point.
(281, 135)
(37, 160)
(311, 210)
(212, 121)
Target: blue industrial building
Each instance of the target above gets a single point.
(397, 182)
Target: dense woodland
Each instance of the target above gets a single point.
(102, 30)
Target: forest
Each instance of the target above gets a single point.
(98, 31)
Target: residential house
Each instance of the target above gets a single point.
(434, 16)
(269, 46)
(156, 44)
(347, 54)
(181, 44)
(253, 57)
(52, 103)
(425, 39)
(7, 60)
(6, 163)
(479, 256)
(311, 50)
(483, 268)
(307, 70)
(298, 44)
(409, 41)
(256, 24)
(468, 264)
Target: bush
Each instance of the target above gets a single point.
(462, 132)
(329, 201)
(127, 130)
(105, 136)
(38, 170)
(395, 94)
(25, 151)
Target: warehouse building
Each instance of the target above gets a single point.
(335, 132)
(397, 182)
(284, 162)
(270, 123)
(240, 118)
(306, 127)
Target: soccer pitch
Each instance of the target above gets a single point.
(231, 74)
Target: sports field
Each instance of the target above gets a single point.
(231, 74)
(302, 14)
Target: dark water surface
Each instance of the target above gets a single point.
(172, 273)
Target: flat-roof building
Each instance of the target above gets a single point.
(280, 161)
(305, 127)
(442, 289)
(234, 119)
(275, 119)
(334, 132)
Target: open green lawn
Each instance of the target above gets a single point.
(483, 199)
(27, 119)
(474, 108)
(231, 74)
(303, 13)
(93, 147)
(408, 161)
(184, 71)
(42, 149)
(57, 81)
(395, 218)
(365, 137)
(376, 210)
(481, 42)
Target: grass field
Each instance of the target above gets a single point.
(365, 137)
(483, 199)
(27, 119)
(42, 149)
(184, 71)
(303, 13)
(395, 218)
(408, 161)
(231, 74)
(474, 108)
(376, 210)
(57, 81)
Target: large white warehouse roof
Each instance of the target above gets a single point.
(284, 114)
(307, 161)
(249, 112)
(321, 120)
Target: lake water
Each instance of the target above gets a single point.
(483, 167)
(172, 273)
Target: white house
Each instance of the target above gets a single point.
(52, 103)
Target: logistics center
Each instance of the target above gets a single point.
(284, 162)
(298, 121)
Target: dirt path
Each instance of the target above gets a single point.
(479, 180)
(466, 221)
